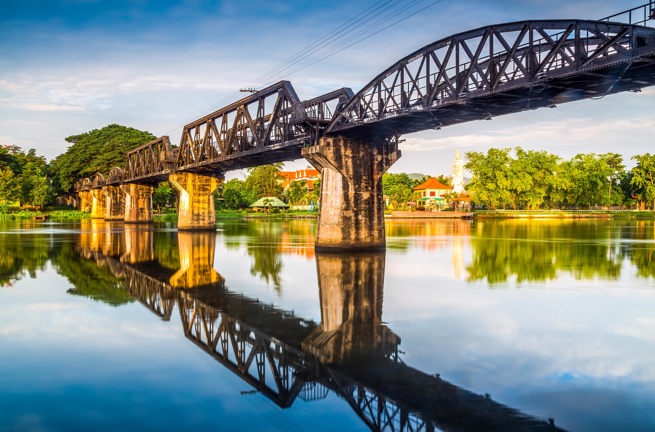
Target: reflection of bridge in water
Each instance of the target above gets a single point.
(286, 357)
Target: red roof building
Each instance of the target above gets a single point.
(432, 192)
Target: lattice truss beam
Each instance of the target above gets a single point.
(379, 412)
(267, 121)
(157, 296)
(266, 363)
(495, 60)
(150, 161)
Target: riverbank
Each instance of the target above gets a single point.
(478, 214)
(429, 215)
(564, 214)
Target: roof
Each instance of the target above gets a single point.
(303, 174)
(269, 202)
(432, 183)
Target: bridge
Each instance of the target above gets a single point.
(352, 139)
(285, 357)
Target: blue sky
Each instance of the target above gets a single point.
(70, 66)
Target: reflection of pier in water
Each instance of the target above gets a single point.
(285, 357)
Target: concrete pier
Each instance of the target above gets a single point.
(196, 200)
(115, 208)
(86, 200)
(138, 202)
(351, 213)
(98, 204)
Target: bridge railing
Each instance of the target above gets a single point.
(640, 15)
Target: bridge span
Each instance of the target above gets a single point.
(285, 357)
(352, 139)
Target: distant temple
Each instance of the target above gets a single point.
(458, 174)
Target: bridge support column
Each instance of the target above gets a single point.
(138, 202)
(98, 204)
(196, 260)
(85, 200)
(196, 202)
(115, 208)
(351, 213)
(351, 290)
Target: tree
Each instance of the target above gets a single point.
(298, 192)
(9, 186)
(643, 176)
(164, 195)
(235, 195)
(262, 180)
(533, 178)
(96, 151)
(614, 167)
(491, 182)
(588, 176)
(397, 188)
(34, 186)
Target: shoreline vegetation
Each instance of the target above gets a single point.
(171, 216)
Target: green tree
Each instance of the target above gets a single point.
(588, 178)
(398, 188)
(96, 151)
(533, 178)
(614, 167)
(164, 195)
(492, 178)
(34, 186)
(298, 192)
(9, 185)
(643, 176)
(262, 180)
(235, 195)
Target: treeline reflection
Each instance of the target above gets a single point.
(533, 250)
(500, 251)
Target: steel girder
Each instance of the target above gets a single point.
(498, 70)
(98, 181)
(150, 163)
(268, 126)
(82, 185)
(116, 176)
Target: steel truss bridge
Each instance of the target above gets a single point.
(263, 345)
(478, 74)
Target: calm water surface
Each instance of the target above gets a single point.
(466, 326)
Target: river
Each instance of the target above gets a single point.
(460, 325)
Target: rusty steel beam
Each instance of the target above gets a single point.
(271, 125)
(150, 163)
(498, 70)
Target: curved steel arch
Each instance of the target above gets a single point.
(501, 69)
(98, 181)
(116, 176)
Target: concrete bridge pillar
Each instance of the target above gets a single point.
(86, 201)
(98, 204)
(115, 208)
(351, 214)
(138, 202)
(196, 203)
(196, 260)
(351, 290)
